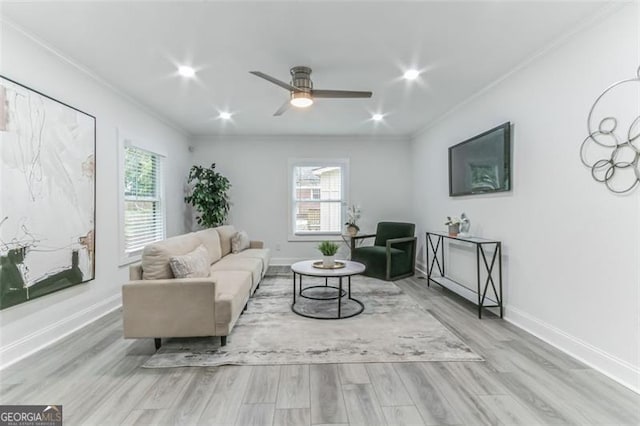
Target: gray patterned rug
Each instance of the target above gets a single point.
(392, 328)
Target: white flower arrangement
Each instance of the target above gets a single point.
(353, 214)
(452, 221)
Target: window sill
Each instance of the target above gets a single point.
(315, 237)
(130, 259)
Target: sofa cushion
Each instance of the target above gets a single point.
(211, 240)
(232, 293)
(194, 264)
(155, 257)
(248, 264)
(263, 254)
(225, 232)
(240, 241)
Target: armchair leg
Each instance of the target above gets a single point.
(158, 342)
(223, 340)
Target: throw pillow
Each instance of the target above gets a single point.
(240, 241)
(195, 264)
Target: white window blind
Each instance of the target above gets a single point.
(318, 196)
(143, 212)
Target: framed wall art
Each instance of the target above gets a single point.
(47, 195)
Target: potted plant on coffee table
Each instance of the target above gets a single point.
(328, 250)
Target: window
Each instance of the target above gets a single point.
(143, 215)
(318, 195)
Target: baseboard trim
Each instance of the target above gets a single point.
(285, 261)
(611, 366)
(40, 339)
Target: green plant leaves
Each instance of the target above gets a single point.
(209, 195)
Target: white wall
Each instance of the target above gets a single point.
(257, 168)
(36, 323)
(571, 247)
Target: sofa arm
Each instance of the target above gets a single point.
(135, 271)
(169, 307)
(256, 244)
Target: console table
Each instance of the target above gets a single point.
(435, 244)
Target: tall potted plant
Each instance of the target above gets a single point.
(209, 195)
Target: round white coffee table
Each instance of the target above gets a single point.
(318, 301)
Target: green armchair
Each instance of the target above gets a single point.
(393, 254)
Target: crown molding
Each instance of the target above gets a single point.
(603, 13)
(205, 138)
(95, 76)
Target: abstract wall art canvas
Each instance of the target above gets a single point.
(47, 195)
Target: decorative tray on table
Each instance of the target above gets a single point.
(337, 265)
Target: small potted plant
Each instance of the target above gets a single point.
(353, 214)
(454, 225)
(328, 250)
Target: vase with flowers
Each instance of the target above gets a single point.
(454, 225)
(353, 214)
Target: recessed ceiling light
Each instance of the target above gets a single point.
(411, 74)
(186, 71)
(225, 115)
(377, 117)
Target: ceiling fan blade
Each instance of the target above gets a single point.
(340, 94)
(285, 106)
(275, 81)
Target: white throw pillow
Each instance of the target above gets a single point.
(240, 241)
(195, 264)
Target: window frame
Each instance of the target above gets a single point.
(343, 163)
(126, 141)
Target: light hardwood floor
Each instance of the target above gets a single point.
(96, 375)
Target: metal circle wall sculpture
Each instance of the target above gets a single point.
(619, 149)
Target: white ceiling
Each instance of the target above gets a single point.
(460, 46)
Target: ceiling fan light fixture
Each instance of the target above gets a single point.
(301, 99)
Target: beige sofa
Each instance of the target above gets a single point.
(156, 304)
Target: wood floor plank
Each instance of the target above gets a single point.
(523, 380)
(189, 408)
(151, 417)
(363, 408)
(476, 377)
(168, 389)
(122, 400)
(327, 401)
(607, 391)
(292, 417)
(539, 400)
(229, 387)
(256, 415)
(263, 385)
(433, 407)
(293, 388)
(387, 385)
(406, 415)
(508, 411)
(353, 374)
(467, 406)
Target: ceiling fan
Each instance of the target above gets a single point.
(302, 93)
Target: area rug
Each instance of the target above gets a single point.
(392, 328)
